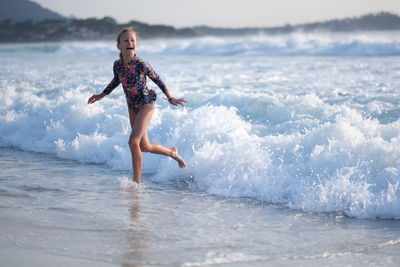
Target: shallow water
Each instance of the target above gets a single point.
(315, 133)
(89, 212)
(289, 141)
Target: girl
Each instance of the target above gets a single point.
(131, 71)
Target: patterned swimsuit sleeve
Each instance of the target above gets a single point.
(154, 77)
(114, 82)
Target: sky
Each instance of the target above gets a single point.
(220, 13)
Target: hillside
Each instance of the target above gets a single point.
(22, 10)
(26, 21)
(81, 29)
(370, 22)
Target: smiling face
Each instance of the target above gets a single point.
(127, 44)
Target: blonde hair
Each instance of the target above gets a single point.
(127, 29)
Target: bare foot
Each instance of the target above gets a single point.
(176, 157)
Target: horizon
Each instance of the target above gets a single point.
(256, 14)
(277, 26)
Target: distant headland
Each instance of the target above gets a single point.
(26, 21)
(383, 21)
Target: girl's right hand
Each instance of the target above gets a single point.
(94, 98)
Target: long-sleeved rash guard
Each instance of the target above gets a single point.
(133, 79)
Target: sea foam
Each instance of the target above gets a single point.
(292, 44)
(317, 134)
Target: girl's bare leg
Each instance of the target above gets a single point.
(139, 141)
(139, 122)
(152, 147)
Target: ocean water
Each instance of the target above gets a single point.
(292, 145)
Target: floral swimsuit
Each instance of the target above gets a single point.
(133, 79)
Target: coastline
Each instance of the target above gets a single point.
(81, 217)
(93, 29)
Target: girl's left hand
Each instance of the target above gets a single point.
(177, 101)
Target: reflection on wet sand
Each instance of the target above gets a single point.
(137, 237)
